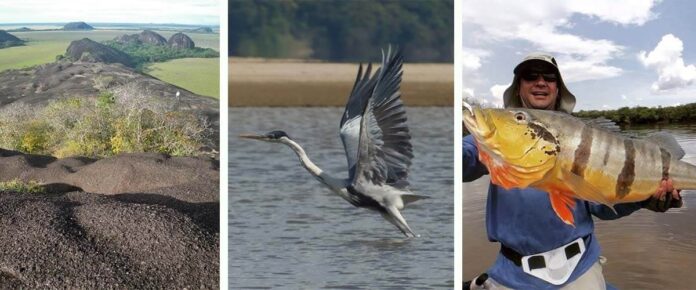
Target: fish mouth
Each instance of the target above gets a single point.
(476, 121)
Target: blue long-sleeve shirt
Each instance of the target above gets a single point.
(523, 220)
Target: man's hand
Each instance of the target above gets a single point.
(665, 198)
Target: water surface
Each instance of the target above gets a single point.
(288, 231)
(645, 250)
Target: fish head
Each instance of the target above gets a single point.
(518, 149)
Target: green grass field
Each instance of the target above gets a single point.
(199, 75)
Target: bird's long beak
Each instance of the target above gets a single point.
(253, 136)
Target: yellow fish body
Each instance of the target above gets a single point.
(569, 158)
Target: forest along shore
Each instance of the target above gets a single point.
(257, 82)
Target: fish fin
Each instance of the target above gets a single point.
(585, 190)
(668, 142)
(563, 204)
(604, 123)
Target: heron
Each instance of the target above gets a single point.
(377, 145)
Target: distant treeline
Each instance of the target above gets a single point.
(644, 115)
(341, 30)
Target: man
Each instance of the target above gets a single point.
(538, 250)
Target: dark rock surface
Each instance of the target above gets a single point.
(155, 225)
(8, 40)
(77, 26)
(128, 38)
(151, 37)
(87, 50)
(180, 41)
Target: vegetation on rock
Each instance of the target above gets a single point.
(111, 123)
(19, 186)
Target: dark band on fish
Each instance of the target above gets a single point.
(666, 157)
(628, 173)
(606, 157)
(582, 153)
(541, 132)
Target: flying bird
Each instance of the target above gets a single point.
(377, 145)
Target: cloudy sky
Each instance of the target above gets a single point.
(120, 11)
(611, 53)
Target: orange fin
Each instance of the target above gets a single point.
(585, 190)
(563, 204)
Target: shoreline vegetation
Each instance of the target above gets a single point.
(626, 116)
(258, 82)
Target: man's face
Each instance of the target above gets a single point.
(539, 87)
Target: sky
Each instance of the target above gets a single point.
(121, 11)
(611, 54)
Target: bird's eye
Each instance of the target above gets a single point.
(520, 117)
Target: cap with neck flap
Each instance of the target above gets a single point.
(536, 60)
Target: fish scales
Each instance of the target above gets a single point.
(568, 158)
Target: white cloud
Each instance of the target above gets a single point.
(667, 61)
(471, 61)
(621, 12)
(497, 92)
(539, 22)
(468, 93)
(122, 11)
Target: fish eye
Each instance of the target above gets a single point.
(520, 117)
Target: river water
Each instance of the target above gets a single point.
(645, 250)
(288, 231)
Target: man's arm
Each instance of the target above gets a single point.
(606, 213)
(472, 168)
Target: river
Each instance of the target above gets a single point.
(287, 231)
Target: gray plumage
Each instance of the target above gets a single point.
(377, 144)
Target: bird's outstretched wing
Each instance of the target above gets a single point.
(350, 121)
(384, 147)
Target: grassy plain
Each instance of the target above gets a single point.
(43, 46)
(281, 83)
(199, 75)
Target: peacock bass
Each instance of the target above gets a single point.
(571, 158)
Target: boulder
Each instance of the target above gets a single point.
(181, 41)
(151, 37)
(128, 38)
(87, 50)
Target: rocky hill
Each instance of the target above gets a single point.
(81, 75)
(181, 41)
(151, 37)
(130, 221)
(77, 26)
(87, 50)
(8, 40)
(145, 37)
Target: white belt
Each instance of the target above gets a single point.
(555, 266)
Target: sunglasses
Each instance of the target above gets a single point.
(531, 76)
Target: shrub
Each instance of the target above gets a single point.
(111, 123)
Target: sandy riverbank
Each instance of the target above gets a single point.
(280, 83)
